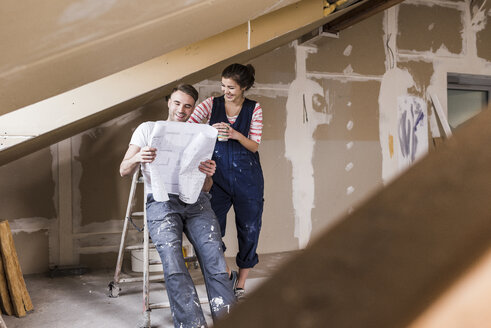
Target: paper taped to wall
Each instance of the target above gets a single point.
(180, 149)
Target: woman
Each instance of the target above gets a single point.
(238, 179)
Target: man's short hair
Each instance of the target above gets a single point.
(187, 89)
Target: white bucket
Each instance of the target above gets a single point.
(137, 260)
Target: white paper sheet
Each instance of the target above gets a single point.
(180, 149)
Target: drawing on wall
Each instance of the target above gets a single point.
(412, 129)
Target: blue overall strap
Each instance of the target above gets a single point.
(243, 121)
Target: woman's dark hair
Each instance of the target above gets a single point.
(243, 75)
(187, 89)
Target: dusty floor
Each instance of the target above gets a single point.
(82, 301)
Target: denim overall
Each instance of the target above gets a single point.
(238, 181)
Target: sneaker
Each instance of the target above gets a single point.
(239, 293)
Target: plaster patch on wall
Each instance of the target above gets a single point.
(29, 225)
(269, 90)
(479, 17)
(348, 70)
(350, 125)
(301, 122)
(109, 226)
(347, 50)
(350, 190)
(394, 83)
(349, 166)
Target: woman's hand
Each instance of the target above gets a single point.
(234, 134)
(227, 131)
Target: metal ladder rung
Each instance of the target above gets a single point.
(163, 305)
(137, 214)
(152, 278)
(138, 247)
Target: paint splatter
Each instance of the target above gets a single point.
(412, 127)
(349, 126)
(391, 145)
(217, 304)
(350, 190)
(349, 167)
(349, 145)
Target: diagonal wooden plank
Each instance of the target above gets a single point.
(17, 287)
(26, 299)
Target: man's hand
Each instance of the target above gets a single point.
(208, 167)
(134, 156)
(146, 155)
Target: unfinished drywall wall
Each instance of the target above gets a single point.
(334, 113)
(28, 201)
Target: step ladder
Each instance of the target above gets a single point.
(146, 277)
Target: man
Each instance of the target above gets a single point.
(168, 220)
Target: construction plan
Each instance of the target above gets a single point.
(180, 149)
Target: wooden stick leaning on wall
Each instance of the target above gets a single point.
(5, 301)
(17, 287)
(440, 120)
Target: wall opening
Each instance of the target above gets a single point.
(467, 96)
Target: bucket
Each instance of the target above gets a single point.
(137, 260)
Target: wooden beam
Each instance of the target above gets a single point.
(397, 254)
(361, 12)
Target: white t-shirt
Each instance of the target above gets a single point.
(141, 138)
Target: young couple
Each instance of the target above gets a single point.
(233, 177)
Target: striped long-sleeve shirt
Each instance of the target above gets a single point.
(202, 113)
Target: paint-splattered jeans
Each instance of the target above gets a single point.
(166, 222)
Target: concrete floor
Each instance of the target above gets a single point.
(82, 301)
